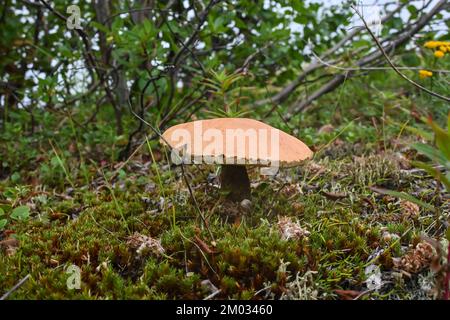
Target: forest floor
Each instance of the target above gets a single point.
(91, 208)
(325, 230)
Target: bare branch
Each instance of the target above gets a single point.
(372, 57)
(434, 94)
(315, 65)
(17, 286)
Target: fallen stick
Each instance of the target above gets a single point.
(17, 286)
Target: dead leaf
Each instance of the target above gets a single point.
(298, 207)
(54, 262)
(347, 294)
(289, 190)
(369, 202)
(328, 128)
(10, 246)
(203, 245)
(316, 168)
(335, 195)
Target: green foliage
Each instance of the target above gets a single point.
(20, 213)
(3, 222)
(438, 154)
(405, 196)
(227, 95)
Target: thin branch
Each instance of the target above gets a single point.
(370, 58)
(17, 286)
(91, 61)
(315, 65)
(175, 61)
(185, 47)
(434, 94)
(247, 61)
(334, 66)
(192, 38)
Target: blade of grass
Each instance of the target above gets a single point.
(77, 141)
(61, 164)
(161, 185)
(404, 196)
(111, 190)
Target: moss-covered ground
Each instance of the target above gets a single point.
(135, 232)
(240, 250)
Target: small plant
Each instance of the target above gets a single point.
(438, 151)
(439, 154)
(11, 209)
(440, 48)
(227, 96)
(20, 213)
(14, 194)
(3, 221)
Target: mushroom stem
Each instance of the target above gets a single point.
(234, 180)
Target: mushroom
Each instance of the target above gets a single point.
(235, 143)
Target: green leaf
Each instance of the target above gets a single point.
(2, 213)
(360, 43)
(442, 138)
(99, 26)
(412, 9)
(422, 133)
(20, 213)
(438, 175)
(404, 196)
(411, 60)
(298, 6)
(147, 27)
(122, 174)
(448, 124)
(117, 25)
(397, 23)
(15, 177)
(54, 161)
(218, 23)
(431, 152)
(3, 223)
(5, 208)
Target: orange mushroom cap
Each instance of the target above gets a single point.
(236, 141)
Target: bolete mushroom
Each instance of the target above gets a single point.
(235, 143)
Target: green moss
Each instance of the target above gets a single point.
(90, 230)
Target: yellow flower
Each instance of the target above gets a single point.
(425, 74)
(443, 49)
(439, 54)
(436, 44)
(431, 44)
